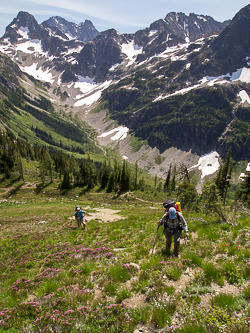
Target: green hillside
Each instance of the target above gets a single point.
(195, 120)
(105, 278)
(33, 117)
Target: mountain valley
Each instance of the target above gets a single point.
(174, 91)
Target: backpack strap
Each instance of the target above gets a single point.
(178, 217)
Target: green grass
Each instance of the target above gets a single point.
(212, 272)
(123, 294)
(46, 261)
(246, 292)
(224, 301)
(162, 313)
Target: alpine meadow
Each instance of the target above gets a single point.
(110, 144)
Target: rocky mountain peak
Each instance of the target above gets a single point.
(230, 51)
(244, 12)
(23, 26)
(192, 26)
(26, 20)
(84, 31)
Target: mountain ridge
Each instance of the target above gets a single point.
(168, 78)
(84, 31)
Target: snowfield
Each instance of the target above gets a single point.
(208, 164)
(121, 133)
(38, 73)
(92, 92)
(131, 50)
(242, 75)
(244, 96)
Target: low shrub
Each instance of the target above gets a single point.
(232, 273)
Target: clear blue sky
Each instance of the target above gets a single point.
(124, 16)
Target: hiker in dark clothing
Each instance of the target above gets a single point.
(174, 223)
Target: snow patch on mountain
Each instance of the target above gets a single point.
(131, 50)
(121, 133)
(152, 32)
(89, 100)
(244, 96)
(30, 46)
(85, 85)
(112, 68)
(242, 74)
(208, 164)
(24, 32)
(38, 72)
(77, 49)
(91, 92)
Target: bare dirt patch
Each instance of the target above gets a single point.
(104, 215)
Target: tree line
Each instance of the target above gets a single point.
(52, 163)
(113, 176)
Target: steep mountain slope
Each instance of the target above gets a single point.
(170, 100)
(26, 110)
(230, 51)
(178, 89)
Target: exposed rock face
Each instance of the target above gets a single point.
(230, 50)
(24, 20)
(55, 39)
(99, 55)
(85, 31)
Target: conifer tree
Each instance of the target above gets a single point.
(74, 166)
(244, 192)
(159, 188)
(18, 164)
(117, 176)
(66, 175)
(45, 165)
(111, 183)
(125, 177)
(155, 181)
(136, 176)
(104, 174)
(224, 176)
(172, 185)
(91, 173)
(167, 182)
(141, 184)
(184, 172)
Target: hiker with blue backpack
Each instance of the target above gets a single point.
(79, 215)
(174, 223)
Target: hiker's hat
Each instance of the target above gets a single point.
(78, 208)
(172, 212)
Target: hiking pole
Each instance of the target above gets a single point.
(155, 239)
(185, 239)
